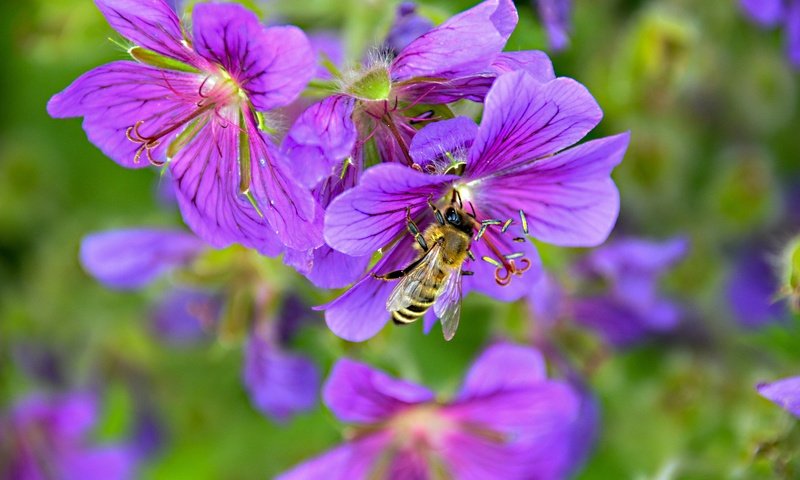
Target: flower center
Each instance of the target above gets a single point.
(216, 91)
(420, 426)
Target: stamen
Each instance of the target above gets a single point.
(149, 142)
(524, 222)
(480, 232)
(519, 239)
(492, 262)
(471, 255)
(512, 256)
(491, 221)
(506, 225)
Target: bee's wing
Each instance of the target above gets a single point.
(448, 304)
(411, 285)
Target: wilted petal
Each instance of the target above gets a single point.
(785, 393)
(463, 45)
(524, 120)
(351, 460)
(151, 24)
(360, 313)
(280, 383)
(115, 97)
(133, 258)
(320, 139)
(503, 367)
(432, 144)
(272, 65)
(369, 216)
(765, 12)
(358, 393)
(568, 199)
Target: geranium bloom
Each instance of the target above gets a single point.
(517, 179)
(191, 102)
(629, 306)
(457, 60)
(752, 290)
(555, 14)
(47, 437)
(785, 393)
(771, 13)
(280, 382)
(508, 421)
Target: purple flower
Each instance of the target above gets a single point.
(191, 103)
(785, 393)
(185, 316)
(752, 291)
(555, 14)
(48, 437)
(408, 26)
(508, 421)
(632, 307)
(516, 166)
(457, 60)
(130, 259)
(771, 13)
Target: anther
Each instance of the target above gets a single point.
(519, 239)
(492, 262)
(512, 256)
(467, 272)
(506, 225)
(524, 221)
(481, 231)
(491, 221)
(471, 255)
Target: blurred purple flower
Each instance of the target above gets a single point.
(408, 26)
(772, 13)
(48, 437)
(456, 60)
(556, 16)
(752, 291)
(191, 103)
(508, 421)
(632, 307)
(185, 316)
(518, 160)
(785, 393)
(130, 259)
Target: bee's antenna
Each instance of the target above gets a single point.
(457, 196)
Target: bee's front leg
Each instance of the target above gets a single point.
(414, 230)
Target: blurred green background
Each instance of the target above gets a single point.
(713, 108)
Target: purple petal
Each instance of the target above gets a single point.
(151, 24)
(568, 199)
(369, 216)
(618, 324)
(503, 367)
(326, 267)
(206, 172)
(546, 301)
(407, 26)
(360, 313)
(320, 139)
(183, 316)
(535, 63)
(116, 97)
(463, 45)
(555, 15)
(350, 460)
(431, 144)
(524, 120)
(484, 280)
(104, 463)
(765, 12)
(126, 259)
(327, 44)
(409, 464)
(535, 421)
(280, 383)
(785, 393)
(358, 393)
(752, 291)
(793, 33)
(272, 65)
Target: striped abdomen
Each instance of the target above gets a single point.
(423, 299)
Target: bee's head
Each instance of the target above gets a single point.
(453, 217)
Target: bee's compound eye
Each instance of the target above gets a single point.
(452, 216)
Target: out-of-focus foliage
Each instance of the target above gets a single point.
(713, 109)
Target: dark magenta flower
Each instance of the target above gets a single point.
(772, 13)
(516, 166)
(384, 100)
(785, 393)
(508, 421)
(556, 17)
(192, 103)
(280, 382)
(629, 306)
(49, 437)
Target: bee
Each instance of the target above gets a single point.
(434, 279)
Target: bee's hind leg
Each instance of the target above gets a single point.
(414, 230)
